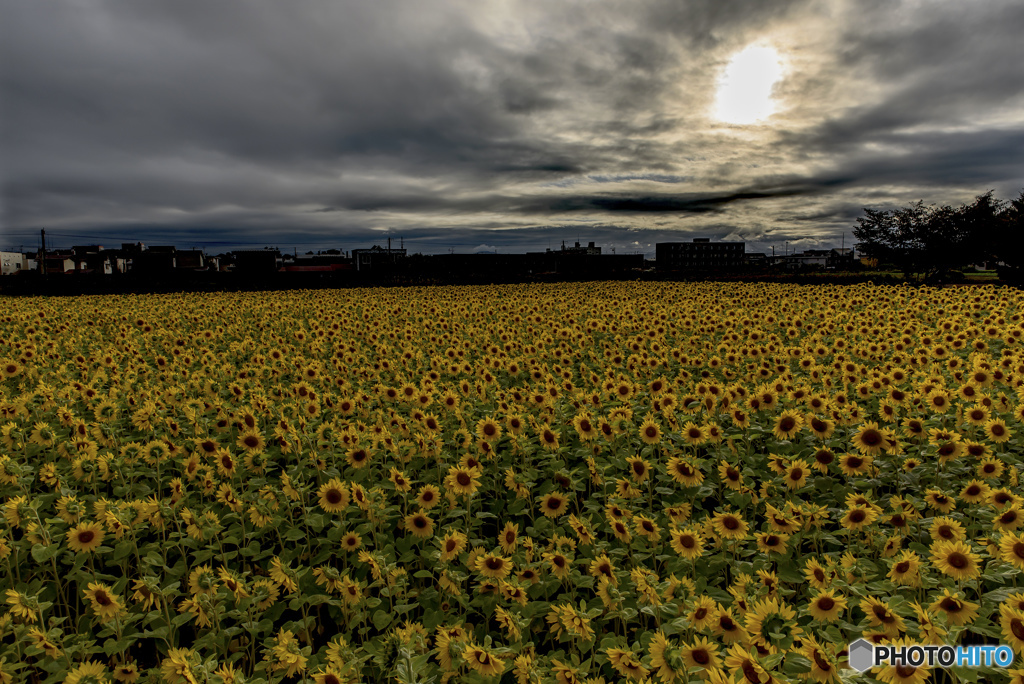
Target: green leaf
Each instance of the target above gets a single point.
(41, 554)
(381, 619)
(796, 664)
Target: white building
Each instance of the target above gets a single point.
(11, 262)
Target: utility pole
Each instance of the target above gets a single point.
(42, 260)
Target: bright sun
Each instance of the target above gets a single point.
(745, 89)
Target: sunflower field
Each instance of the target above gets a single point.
(599, 482)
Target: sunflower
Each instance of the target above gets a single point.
(548, 437)
(854, 464)
(743, 666)
(488, 430)
(40, 640)
(903, 673)
(85, 537)
(1011, 622)
(626, 663)
(104, 602)
(553, 504)
(693, 435)
(560, 564)
(939, 501)
(879, 615)
(621, 531)
(771, 542)
(638, 468)
(977, 415)
(827, 606)
(822, 428)
(493, 566)
(88, 671)
(419, 524)
(955, 558)
(702, 613)
(358, 457)
(22, 607)
(771, 622)
(730, 475)
(660, 659)
(787, 425)
(816, 574)
(462, 481)
(702, 653)
(508, 538)
(1011, 549)
(906, 569)
(975, 491)
(202, 580)
(649, 431)
(796, 474)
(947, 529)
(958, 612)
(685, 472)
(740, 418)
(729, 525)
(858, 517)
(997, 431)
(869, 440)
(824, 667)
(252, 442)
(399, 479)
(647, 528)
(822, 459)
(602, 567)
(428, 497)
(1009, 519)
(351, 541)
(727, 627)
(334, 496)
(688, 543)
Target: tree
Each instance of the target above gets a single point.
(893, 236)
(932, 241)
(1007, 243)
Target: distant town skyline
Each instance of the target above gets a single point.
(506, 125)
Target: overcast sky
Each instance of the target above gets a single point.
(496, 124)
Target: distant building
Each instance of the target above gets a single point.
(326, 261)
(699, 255)
(376, 257)
(11, 262)
(810, 258)
(192, 259)
(156, 259)
(257, 261)
(590, 249)
(755, 259)
(59, 263)
(841, 257)
(838, 258)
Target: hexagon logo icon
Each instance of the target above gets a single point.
(862, 655)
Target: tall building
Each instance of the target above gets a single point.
(699, 255)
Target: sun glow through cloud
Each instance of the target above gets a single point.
(745, 89)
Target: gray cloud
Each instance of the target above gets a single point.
(505, 124)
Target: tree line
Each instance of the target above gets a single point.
(931, 242)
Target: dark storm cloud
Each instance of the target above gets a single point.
(493, 124)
